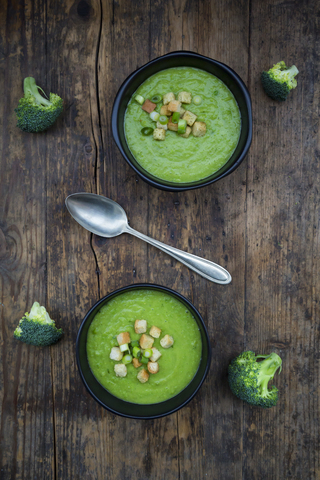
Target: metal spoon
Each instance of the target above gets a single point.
(106, 218)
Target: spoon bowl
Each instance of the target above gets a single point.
(101, 216)
(106, 218)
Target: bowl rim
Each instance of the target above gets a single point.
(176, 294)
(186, 186)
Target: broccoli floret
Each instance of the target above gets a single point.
(248, 379)
(279, 80)
(37, 328)
(35, 113)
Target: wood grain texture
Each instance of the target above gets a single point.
(26, 392)
(283, 244)
(261, 223)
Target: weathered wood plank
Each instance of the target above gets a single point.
(72, 40)
(26, 428)
(282, 284)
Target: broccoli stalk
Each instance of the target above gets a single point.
(35, 113)
(279, 80)
(249, 379)
(37, 328)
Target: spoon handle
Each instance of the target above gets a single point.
(209, 270)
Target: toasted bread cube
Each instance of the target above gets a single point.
(164, 111)
(184, 97)
(155, 332)
(153, 367)
(167, 98)
(172, 126)
(189, 117)
(164, 127)
(140, 326)
(136, 363)
(143, 376)
(123, 338)
(146, 341)
(120, 370)
(148, 106)
(159, 134)
(182, 111)
(186, 133)
(166, 341)
(199, 129)
(155, 354)
(174, 106)
(116, 354)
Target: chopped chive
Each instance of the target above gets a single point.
(144, 359)
(135, 343)
(136, 351)
(124, 347)
(148, 353)
(127, 359)
(156, 98)
(163, 120)
(154, 116)
(139, 99)
(197, 100)
(175, 117)
(146, 131)
(182, 125)
(215, 92)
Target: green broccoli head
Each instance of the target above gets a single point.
(35, 113)
(279, 80)
(37, 328)
(249, 378)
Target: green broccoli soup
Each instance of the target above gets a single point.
(144, 346)
(182, 124)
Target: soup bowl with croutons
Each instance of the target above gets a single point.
(143, 351)
(183, 121)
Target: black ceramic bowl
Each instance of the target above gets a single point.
(133, 410)
(183, 59)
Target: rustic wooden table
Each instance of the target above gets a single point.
(261, 223)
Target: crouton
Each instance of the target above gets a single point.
(189, 117)
(155, 354)
(143, 376)
(164, 111)
(120, 370)
(199, 129)
(166, 341)
(116, 354)
(155, 332)
(186, 133)
(172, 126)
(167, 98)
(174, 106)
(184, 97)
(140, 326)
(159, 134)
(164, 127)
(136, 363)
(148, 106)
(123, 338)
(182, 112)
(146, 341)
(153, 367)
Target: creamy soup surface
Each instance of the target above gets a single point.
(177, 159)
(177, 365)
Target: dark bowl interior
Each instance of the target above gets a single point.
(183, 59)
(133, 410)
